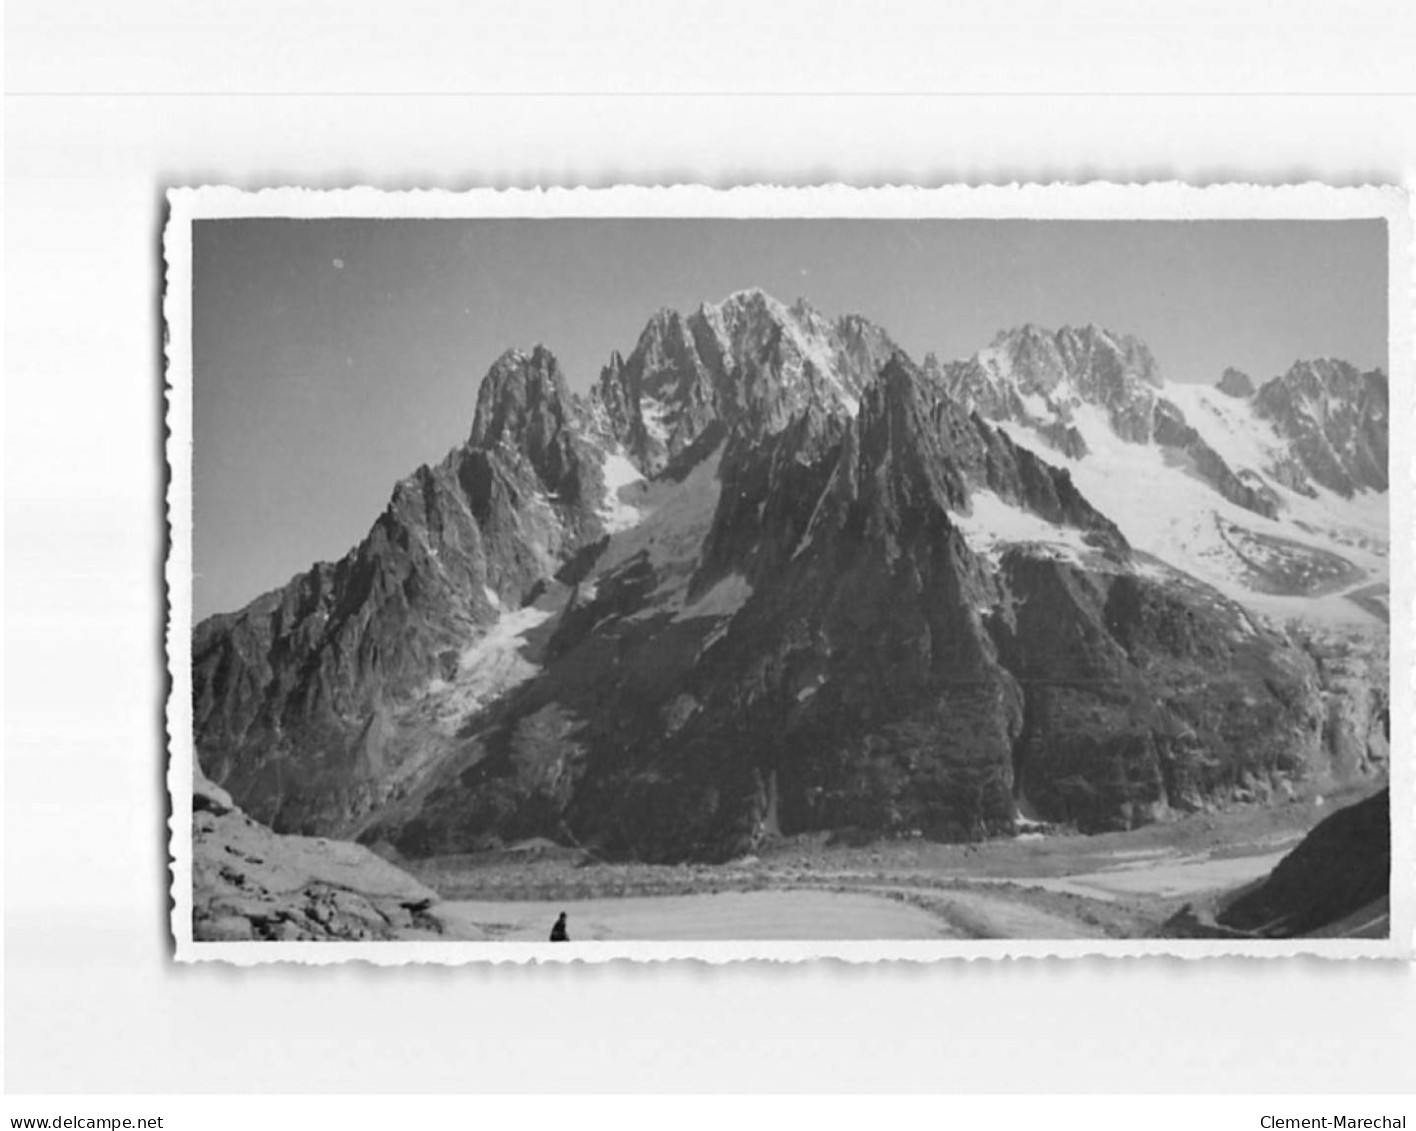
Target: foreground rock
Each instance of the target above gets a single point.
(1335, 884)
(249, 883)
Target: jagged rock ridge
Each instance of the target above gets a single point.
(749, 363)
(1335, 418)
(1280, 464)
(771, 577)
(1041, 379)
(297, 697)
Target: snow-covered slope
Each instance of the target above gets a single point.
(1316, 556)
(620, 477)
(995, 525)
(1276, 496)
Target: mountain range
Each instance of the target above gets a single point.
(773, 576)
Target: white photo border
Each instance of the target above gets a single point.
(1098, 202)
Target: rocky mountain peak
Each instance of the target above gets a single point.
(1096, 363)
(1315, 378)
(525, 407)
(1113, 362)
(1039, 377)
(330, 662)
(1031, 354)
(1236, 383)
(749, 363)
(905, 396)
(521, 392)
(751, 300)
(1335, 418)
(923, 438)
(938, 454)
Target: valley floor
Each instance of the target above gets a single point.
(1118, 885)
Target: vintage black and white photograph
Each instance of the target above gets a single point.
(940, 582)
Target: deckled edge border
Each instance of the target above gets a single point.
(1098, 201)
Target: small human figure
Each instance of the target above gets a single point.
(558, 932)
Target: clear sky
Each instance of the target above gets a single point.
(332, 357)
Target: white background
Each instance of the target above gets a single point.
(108, 105)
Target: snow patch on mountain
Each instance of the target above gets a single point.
(655, 415)
(995, 524)
(1245, 441)
(621, 476)
(489, 667)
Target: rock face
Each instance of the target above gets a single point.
(1339, 875)
(1331, 417)
(772, 577)
(248, 884)
(1035, 371)
(1335, 419)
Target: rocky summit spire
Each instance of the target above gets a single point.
(1335, 418)
(525, 406)
(1236, 383)
(522, 394)
(748, 364)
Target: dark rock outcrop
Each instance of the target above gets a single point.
(1335, 884)
(1339, 870)
(1144, 698)
(1236, 383)
(525, 411)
